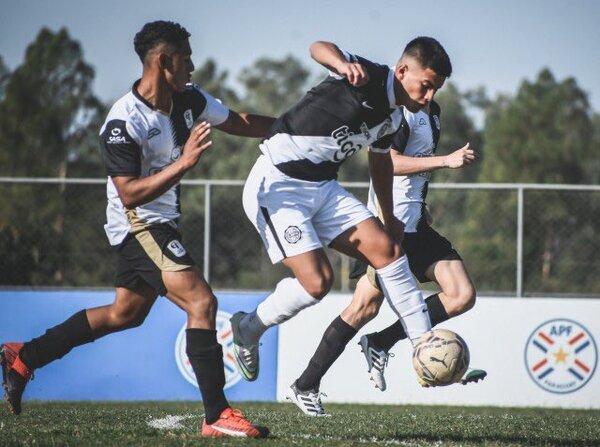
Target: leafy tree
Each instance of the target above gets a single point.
(48, 125)
(542, 135)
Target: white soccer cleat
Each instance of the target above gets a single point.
(377, 360)
(308, 401)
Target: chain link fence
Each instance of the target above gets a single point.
(516, 239)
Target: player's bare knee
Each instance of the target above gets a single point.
(389, 252)
(463, 299)
(319, 285)
(202, 306)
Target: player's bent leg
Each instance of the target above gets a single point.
(129, 310)
(458, 296)
(458, 291)
(314, 277)
(369, 242)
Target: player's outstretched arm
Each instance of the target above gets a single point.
(246, 124)
(135, 191)
(331, 57)
(405, 165)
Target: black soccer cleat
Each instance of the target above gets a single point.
(15, 375)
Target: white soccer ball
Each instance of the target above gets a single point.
(441, 357)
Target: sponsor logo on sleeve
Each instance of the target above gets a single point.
(116, 137)
(561, 356)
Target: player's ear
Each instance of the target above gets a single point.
(401, 70)
(165, 62)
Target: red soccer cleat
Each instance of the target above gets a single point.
(15, 375)
(232, 423)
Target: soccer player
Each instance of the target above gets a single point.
(294, 201)
(151, 138)
(431, 258)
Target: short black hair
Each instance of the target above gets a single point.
(154, 33)
(430, 54)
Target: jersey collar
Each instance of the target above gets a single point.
(390, 88)
(140, 98)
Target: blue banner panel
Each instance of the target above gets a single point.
(145, 363)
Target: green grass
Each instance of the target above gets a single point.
(122, 424)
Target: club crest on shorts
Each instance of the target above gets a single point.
(176, 248)
(225, 339)
(292, 234)
(561, 356)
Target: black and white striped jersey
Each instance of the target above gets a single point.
(417, 136)
(138, 140)
(332, 122)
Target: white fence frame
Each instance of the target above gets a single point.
(208, 184)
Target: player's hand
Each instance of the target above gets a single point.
(196, 145)
(460, 157)
(355, 73)
(394, 227)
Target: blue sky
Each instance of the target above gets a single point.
(491, 43)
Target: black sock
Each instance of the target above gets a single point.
(57, 341)
(388, 337)
(206, 358)
(333, 343)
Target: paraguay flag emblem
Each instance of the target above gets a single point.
(225, 339)
(561, 356)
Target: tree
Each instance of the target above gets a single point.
(49, 120)
(542, 135)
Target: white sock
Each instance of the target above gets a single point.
(288, 298)
(401, 291)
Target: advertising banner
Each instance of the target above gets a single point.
(537, 352)
(144, 363)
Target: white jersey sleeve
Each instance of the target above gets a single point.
(214, 112)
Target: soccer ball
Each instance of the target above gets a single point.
(440, 358)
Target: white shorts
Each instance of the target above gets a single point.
(297, 216)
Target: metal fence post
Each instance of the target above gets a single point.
(207, 218)
(520, 242)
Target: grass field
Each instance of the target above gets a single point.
(176, 424)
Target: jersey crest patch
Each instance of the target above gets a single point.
(437, 122)
(189, 119)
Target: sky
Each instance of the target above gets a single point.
(496, 44)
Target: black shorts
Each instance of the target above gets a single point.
(145, 254)
(422, 249)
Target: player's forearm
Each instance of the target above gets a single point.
(247, 124)
(327, 54)
(404, 165)
(381, 169)
(134, 192)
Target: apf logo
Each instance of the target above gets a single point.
(225, 339)
(561, 356)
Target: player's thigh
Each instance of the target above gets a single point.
(135, 303)
(453, 278)
(188, 290)
(368, 242)
(313, 270)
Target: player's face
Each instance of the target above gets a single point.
(179, 70)
(420, 84)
